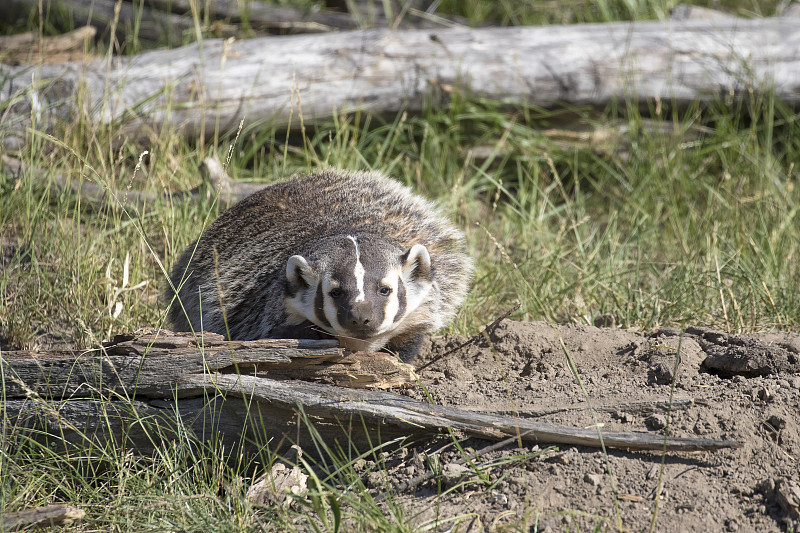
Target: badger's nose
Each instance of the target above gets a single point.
(360, 315)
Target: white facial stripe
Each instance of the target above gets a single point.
(358, 271)
(392, 305)
(329, 308)
(331, 313)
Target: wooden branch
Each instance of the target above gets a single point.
(131, 20)
(146, 362)
(59, 514)
(150, 361)
(89, 192)
(219, 387)
(215, 84)
(638, 408)
(31, 47)
(167, 21)
(226, 406)
(265, 16)
(215, 182)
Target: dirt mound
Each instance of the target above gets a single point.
(740, 387)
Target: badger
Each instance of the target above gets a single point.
(351, 255)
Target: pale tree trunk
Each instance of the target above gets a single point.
(213, 85)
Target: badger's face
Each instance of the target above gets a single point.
(357, 288)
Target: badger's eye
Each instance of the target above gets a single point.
(385, 291)
(335, 292)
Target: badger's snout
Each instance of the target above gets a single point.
(360, 319)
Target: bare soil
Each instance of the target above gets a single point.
(740, 387)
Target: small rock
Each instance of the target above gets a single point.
(788, 495)
(500, 498)
(731, 525)
(622, 416)
(653, 472)
(593, 479)
(454, 472)
(796, 382)
(374, 479)
(661, 373)
(277, 486)
(655, 422)
(562, 458)
(738, 378)
(409, 470)
(766, 487)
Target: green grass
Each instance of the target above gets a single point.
(689, 216)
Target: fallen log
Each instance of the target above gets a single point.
(216, 184)
(223, 390)
(145, 363)
(59, 514)
(212, 85)
(127, 19)
(31, 47)
(166, 22)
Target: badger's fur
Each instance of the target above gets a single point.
(353, 255)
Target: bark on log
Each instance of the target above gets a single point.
(214, 84)
(175, 383)
(31, 47)
(168, 21)
(126, 19)
(145, 363)
(59, 514)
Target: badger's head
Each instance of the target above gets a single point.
(359, 288)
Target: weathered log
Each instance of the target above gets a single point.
(59, 514)
(145, 363)
(388, 408)
(262, 409)
(126, 19)
(215, 84)
(298, 20)
(168, 21)
(30, 47)
(218, 389)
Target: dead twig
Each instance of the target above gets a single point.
(488, 329)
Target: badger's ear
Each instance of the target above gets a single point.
(417, 265)
(299, 274)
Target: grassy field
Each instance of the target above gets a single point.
(687, 216)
